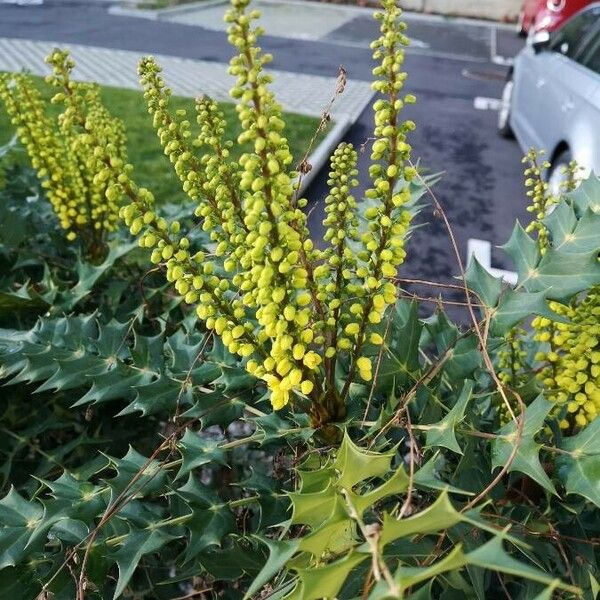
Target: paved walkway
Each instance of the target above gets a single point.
(297, 93)
(291, 19)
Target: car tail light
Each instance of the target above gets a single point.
(556, 5)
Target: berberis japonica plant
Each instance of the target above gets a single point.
(211, 404)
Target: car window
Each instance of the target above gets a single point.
(591, 58)
(572, 37)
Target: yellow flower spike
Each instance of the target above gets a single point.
(70, 153)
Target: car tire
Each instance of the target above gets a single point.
(504, 128)
(554, 175)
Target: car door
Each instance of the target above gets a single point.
(568, 86)
(586, 135)
(541, 94)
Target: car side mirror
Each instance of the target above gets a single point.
(539, 41)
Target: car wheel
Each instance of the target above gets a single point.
(555, 175)
(504, 127)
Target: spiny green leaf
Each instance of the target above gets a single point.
(408, 577)
(279, 553)
(334, 537)
(584, 238)
(399, 362)
(314, 508)
(443, 433)
(524, 251)
(197, 451)
(396, 484)
(427, 476)
(493, 557)
(326, 581)
(19, 518)
(562, 274)
(162, 395)
(516, 305)
(440, 516)
(315, 480)
(586, 195)
(483, 283)
(579, 470)
(88, 274)
(560, 223)
(136, 545)
(355, 464)
(152, 476)
(208, 528)
(527, 459)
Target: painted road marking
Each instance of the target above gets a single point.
(494, 56)
(483, 103)
(482, 251)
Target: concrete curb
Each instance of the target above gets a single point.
(320, 157)
(160, 13)
(499, 13)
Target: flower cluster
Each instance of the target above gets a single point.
(569, 354)
(64, 152)
(539, 193)
(289, 309)
(572, 362)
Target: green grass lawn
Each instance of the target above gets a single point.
(152, 168)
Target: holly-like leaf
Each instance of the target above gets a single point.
(333, 537)
(152, 477)
(560, 223)
(279, 554)
(441, 515)
(493, 557)
(527, 458)
(136, 545)
(427, 476)
(579, 469)
(524, 252)
(563, 274)
(355, 464)
(162, 395)
(483, 283)
(395, 485)
(88, 274)
(399, 362)
(314, 508)
(443, 433)
(196, 451)
(584, 238)
(18, 518)
(326, 581)
(516, 305)
(586, 195)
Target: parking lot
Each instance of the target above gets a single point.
(456, 69)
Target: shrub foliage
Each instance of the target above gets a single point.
(224, 408)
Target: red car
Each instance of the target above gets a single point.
(547, 15)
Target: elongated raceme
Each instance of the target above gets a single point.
(391, 173)
(46, 149)
(569, 352)
(289, 308)
(62, 152)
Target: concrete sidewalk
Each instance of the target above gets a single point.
(297, 93)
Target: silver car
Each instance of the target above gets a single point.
(551, 99)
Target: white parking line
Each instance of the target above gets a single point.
(494, 56)
(483, 103)
(482, 251)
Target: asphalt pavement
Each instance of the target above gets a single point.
(450, 65)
